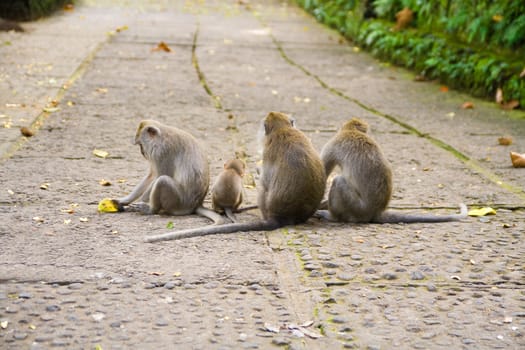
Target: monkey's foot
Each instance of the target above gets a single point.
(324, 215)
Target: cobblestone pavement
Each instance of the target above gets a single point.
(72, 278)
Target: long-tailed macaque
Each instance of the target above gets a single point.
(362, 191)
(291, 187)
(227, 191)
(178, 177)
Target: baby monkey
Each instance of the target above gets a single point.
(227, 191)
(363, 190)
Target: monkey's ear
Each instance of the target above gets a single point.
(152, 131)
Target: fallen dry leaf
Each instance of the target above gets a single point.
(443, 88)
(522, 74)
(481, 211)
(518, 160)
(100, 153)
(83, 219)
(505, 141)
(162, 46)
(104, 182)
(121, 29)
(69, 7)
(467, 105)
(44, 186)
(50, 109)
(26, 131)
(102, 90)
(510, 105)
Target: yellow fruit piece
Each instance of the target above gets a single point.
(482, 211)
(107, 206)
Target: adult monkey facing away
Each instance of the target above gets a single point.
(178, 177)
(291, 187)
(362, 191)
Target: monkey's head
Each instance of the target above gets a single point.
(355, 124)
(148, 134)
(277, 120)
(237, 165)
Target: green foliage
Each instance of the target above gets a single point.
(477, 46)
(25, 10)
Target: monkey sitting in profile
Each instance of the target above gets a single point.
(362, 191)
(178, 177)
(291, 187)
(227, 191)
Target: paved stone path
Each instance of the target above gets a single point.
(73, 278)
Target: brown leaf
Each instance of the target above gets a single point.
(510, 105)
(505, 141)
(403, 18)
(162, 46)
(26, 131)
(467, 105)
(443, 88)
(104, 182)
(518, 160)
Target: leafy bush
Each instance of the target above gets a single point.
(477, 46)
(25, 10)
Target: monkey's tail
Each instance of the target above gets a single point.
(210, 214)
(230, 214)
(215, 229)
(388, 217)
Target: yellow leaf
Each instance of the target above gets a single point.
(100, 153)
(107, 206)
(482, 211)
(32, 326)
(51, 109)
(98, 347)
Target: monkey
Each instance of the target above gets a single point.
(362, 191)
(178, 177)
(291, 185)
(227, 191)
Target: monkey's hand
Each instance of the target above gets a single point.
(141, 207)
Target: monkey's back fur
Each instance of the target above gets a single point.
(293, 178)
(177, 154)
